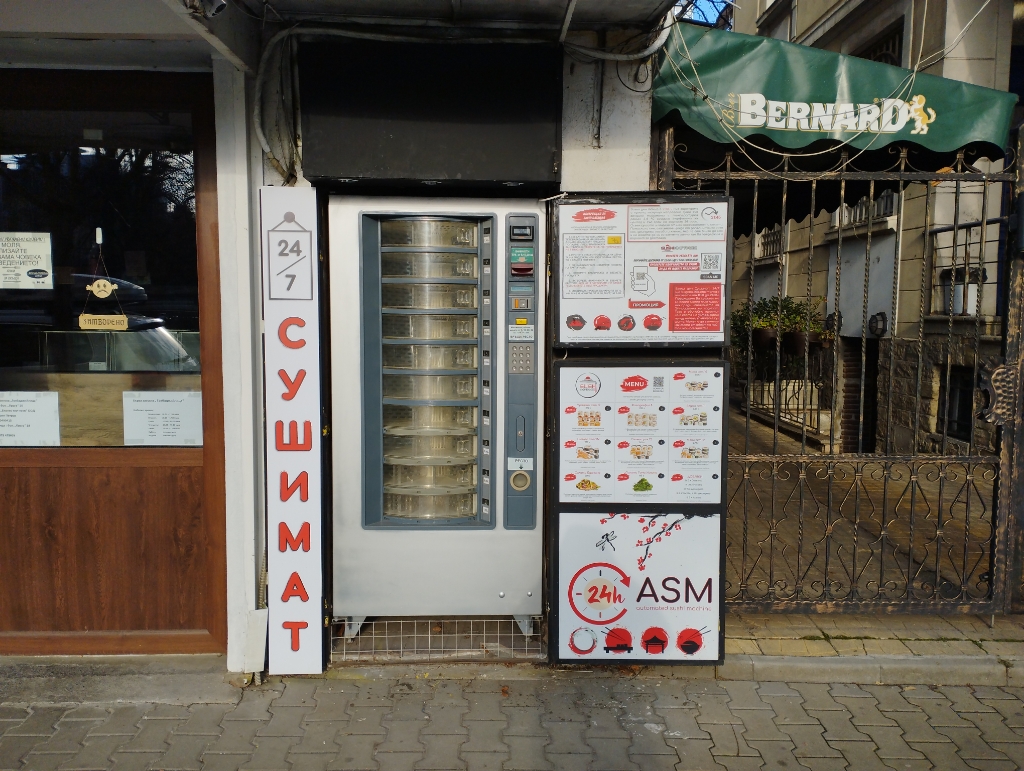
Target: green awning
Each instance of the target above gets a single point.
(729, 86)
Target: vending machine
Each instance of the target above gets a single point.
(436, 310)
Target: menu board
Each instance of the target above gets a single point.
(168, 418)
(25, 261)
(29, 419)
(642, 273)
(643, 434)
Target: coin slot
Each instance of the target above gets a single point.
(519, 480)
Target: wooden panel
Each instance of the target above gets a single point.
(107, 643)
(100, 457)
(87, 549)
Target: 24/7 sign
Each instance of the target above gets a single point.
(290, 248)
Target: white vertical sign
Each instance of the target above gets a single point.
(291, 314)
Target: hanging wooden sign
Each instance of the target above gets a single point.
(115, 322)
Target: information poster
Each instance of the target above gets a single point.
(642, 273)
(25, 261)
(643, 588)
(29, 419)
(643, 434)
(163, 418)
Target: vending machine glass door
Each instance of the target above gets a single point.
(426, 371)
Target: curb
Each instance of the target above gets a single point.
(871, 670)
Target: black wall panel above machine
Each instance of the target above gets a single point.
(434, 112)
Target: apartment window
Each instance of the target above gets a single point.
(887, 49)
(959, 402)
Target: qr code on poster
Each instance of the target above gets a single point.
(659, 382)
(711, 262)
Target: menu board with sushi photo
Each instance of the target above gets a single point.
(641, 434)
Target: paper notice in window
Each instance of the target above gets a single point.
(25, 261)
(695, 307)
(593, 265)
(29, 419)
(164, 418)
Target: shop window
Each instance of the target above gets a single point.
(958, 402)
(99, 305)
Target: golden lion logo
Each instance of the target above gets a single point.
(922, 115)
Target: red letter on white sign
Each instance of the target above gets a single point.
(295, 626)
(301, 484)
(293, 444)
(282, 332)
(285, 539)
(291, 386)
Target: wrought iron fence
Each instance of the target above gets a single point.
(871, 436)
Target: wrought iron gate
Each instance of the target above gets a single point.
(872, 415)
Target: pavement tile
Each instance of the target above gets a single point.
(741, 763)
(177, 712)
(271, 754)
(6, 725)
(236, 738)
(993, 765)
(728, 741)
(286, 721)
(50, 762)
(564, 762)
(365, 720)
(890, 698)
(834, 764)
(648, 738)
(604, 724)
(921, 692)
(884, 648)
(68, 737)
(612, 755)
(526, 753)
(484, 706)
(298, 692)
(522, 693)
(809, 742)
(152, 736)
(403, 736)
(654, 762)
(969, 744)
(817, 696)
(714, 709)
(906, 764)
(16, 713)
(562, 705)
(776, 689)
(848, 690)
(1012, 711)
(485, 736)
(445, 721)
(789, 710)
(373, 693)
(759, 725)
(123, 721)
(14, 748)
(743, 695)
(95, 754)
(704, 688)
(982, 692)
(672, 694)
(865, 711)
(319, 737)
(992, 727)
(448, 693)
(185, 753)
(522, 721)
(141, 761)
(408, 706)
(492, 761)
(860, 755)
(838, 726)
(87, 712)
(1007, 649)
(204, 720)
(694, 755)
(939, 712)
(916, 728)
(396, 761)
(943, 756)
(42, 722)
(943, 648)
(1014, 751)
(734, 646)
(963, 699)
(332, 702)
(442, 753)
(566, 739)
(776, 754)
(809, 648)
(214, 763)
(682, 724)
(356, 753)
(254, 705)
(308, 762)
(889, 743)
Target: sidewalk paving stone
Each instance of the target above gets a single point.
(13, 749)
(403, 736)
(271, 754)
(485, 737)
(123, 721)
(491, 761)
(940, 712)
(442, 753)
(612, 755)
(969, 744)
(320, 737)
(141, 761)
(356, 753)
(865, 711)
(484, 706)
(185, 753)
(68, 737)
(95, 754)
(526, 753)
(42, 722)
(962, 699)
(809, 742)
(523, 721)
(203, 720)
(445, 720)
(694, 755)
